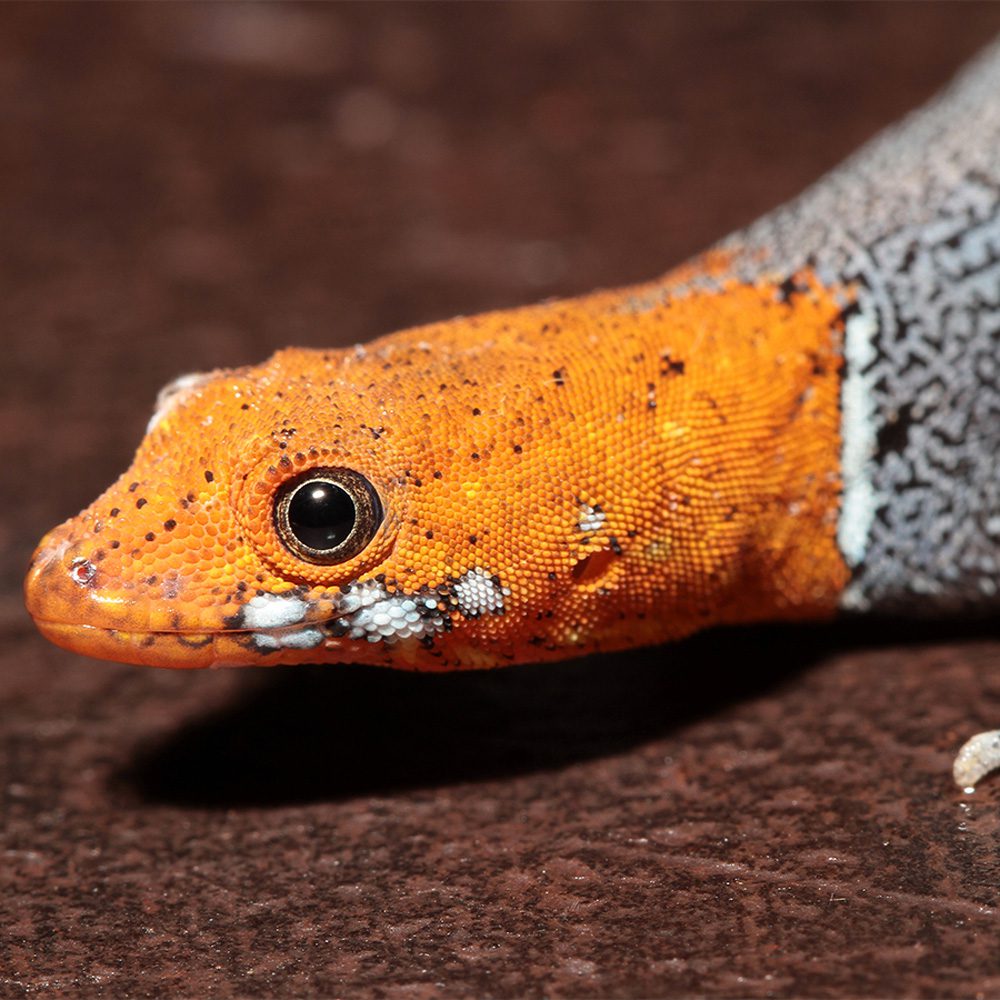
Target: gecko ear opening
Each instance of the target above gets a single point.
(593, 566)
(327, 515)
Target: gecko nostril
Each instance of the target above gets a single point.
(82, 572)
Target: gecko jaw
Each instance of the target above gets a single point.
(192, 650)
(373, 621)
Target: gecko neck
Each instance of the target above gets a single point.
(911, 223)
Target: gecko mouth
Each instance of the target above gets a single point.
(360, 622)
(185, 649)
(268, 629)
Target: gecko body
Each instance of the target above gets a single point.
(801, 421)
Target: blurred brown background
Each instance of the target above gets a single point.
(755, 813)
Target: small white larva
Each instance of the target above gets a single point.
(978, 757)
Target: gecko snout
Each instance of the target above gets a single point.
(64, 586)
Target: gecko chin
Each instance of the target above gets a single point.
(154, 649)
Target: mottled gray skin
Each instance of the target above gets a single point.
(913, 222)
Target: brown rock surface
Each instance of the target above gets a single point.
(756, 813)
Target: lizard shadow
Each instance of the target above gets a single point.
(321, 733)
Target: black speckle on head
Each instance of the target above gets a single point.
(114, 512)
(141, 502)
(170, 524)
(150, 537)
(671, 366)
(234, 622)
(209, 476)
(132, 487)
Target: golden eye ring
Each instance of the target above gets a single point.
(327, 515)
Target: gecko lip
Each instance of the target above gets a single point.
(176, 648)
(133, 624)
(145, 648)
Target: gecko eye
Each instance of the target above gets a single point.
(327, 515)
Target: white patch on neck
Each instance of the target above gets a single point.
(859, 435)
(174, 393)
(478, 593)
(591, 517)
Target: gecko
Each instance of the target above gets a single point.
(800, 422)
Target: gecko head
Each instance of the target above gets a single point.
(353, 506)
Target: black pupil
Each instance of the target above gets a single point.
(321, 515)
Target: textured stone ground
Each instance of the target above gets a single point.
(757, 813)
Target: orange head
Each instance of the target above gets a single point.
(424, 502)
(585, 475)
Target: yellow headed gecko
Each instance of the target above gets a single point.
(803, 420)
